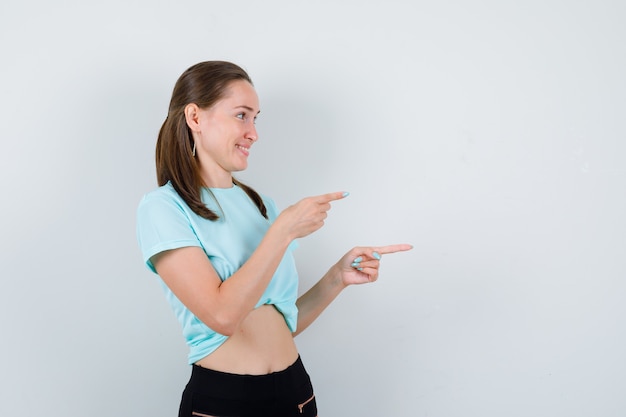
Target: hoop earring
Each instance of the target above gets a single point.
(193, 151)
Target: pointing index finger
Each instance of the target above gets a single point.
(393, 248)
(327, 198)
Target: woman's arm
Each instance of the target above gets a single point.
(224, 305)
(358, 266)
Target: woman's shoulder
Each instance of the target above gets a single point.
(165, 192)
(164, 197)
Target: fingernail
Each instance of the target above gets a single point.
(376, 255)
(345, 194)
(359, 269)
(357, 260)
(355, 264)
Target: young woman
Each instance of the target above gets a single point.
(223, 253)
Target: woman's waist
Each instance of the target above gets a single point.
(262, 344)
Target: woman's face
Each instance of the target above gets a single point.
(224, 133)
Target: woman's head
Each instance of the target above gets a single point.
(224, 133)
(203, 85)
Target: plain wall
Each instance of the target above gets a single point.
(488, 134)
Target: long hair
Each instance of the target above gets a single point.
(203, 84)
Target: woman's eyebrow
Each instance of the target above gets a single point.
(247, 108)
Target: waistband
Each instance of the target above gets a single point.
(250, 387)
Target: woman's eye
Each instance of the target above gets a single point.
(241, 116)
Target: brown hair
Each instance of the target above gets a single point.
(203, 84)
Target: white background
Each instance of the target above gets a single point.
(489, 134)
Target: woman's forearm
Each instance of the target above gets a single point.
(313, 302)
(221, 305)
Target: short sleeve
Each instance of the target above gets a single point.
(162, 224)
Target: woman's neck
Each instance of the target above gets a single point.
(217, 180)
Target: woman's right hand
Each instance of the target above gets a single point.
(307, 215)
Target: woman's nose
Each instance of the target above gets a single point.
(252, 133)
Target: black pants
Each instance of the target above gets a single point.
(284, 393)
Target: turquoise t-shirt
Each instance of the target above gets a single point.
(164, 222)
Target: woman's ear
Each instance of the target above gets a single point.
(192, 116)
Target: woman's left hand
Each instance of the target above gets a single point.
(360, 265)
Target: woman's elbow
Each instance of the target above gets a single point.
(224, 324)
